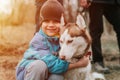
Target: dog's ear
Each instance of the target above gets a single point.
(62, 24)
(80, 21)
(62, 21)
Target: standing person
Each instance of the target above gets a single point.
(39, 61)
(111, 10)
(38, 4)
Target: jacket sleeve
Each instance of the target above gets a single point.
(55, 65)
(41, 51)
(38, 43)
(37, 48)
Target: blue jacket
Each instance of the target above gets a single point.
(42, 47)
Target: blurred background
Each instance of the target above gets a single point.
(17, 27)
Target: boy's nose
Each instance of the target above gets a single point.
(51, 23)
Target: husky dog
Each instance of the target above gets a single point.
(75, 42)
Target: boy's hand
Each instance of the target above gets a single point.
(83, 62)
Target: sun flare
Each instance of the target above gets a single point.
(5, 7)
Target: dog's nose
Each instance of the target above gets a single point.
(62, 57)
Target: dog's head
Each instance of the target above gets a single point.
(74, 40)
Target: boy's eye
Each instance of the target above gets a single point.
(54, 21)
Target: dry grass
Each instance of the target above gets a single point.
(14, 41)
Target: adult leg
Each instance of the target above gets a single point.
(37, 70)
(38, 4)
(112, 14)
(96, 30)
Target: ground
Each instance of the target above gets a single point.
(14, 40)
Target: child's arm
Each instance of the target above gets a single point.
(55, 65)
(39, 50)
(81, 63)
(58, 66)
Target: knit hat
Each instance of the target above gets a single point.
(51, 10)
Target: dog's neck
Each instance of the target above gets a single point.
(78, 56)
(75, 58)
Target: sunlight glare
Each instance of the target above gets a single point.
(5, 7)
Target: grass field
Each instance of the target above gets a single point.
(14, 41)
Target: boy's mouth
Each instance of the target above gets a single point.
(52, 30)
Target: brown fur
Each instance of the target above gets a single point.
(74, 30)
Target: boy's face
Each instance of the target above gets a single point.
(51, 27)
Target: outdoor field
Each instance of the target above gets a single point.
(17, 27)
(14, 40)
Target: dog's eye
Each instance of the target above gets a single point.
(61, 41)
(69, 41)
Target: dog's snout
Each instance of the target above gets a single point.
(62, 57)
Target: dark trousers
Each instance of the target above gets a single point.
(112, 14)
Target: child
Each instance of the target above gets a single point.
(39, 59)
(38, 4)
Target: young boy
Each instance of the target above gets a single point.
(38, 4)
(39, 61)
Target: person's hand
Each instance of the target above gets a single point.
(83, 62)
(84, 3)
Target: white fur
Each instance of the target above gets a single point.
(71, 48)
(98, 76)
(75, 47)
(80, 21)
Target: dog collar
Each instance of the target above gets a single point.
(80, 56)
